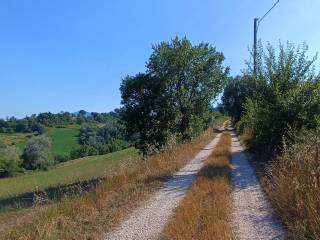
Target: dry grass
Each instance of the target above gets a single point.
(293, 184)
(205, 211)
(92, 215)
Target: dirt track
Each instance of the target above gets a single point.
(148, 221)
(253, 217)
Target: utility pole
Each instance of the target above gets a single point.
(255, 33)
(256, 24)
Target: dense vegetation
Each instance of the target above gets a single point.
(130, 180)
(292, 182)
(9, 160)
(172, 101)
(36, 153)
(274, 109)
(47, 139)
(284, 95)
(37, 123)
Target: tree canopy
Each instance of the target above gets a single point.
(284, 95)
(36, 153)
(173, 99)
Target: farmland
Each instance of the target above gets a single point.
(63, 140)
(65, 173)
(17, 139)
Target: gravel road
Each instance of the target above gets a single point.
(148, 221)
(253, 217)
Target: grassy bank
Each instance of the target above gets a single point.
(205, 211)
(292, 182)
(66, 173)
(92, 215)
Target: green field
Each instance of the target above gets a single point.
(17, 139)
(63, 140)
(65, 173)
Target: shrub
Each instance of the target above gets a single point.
(38, 128)
(36, 153)
(293, 183)
(284, 94)
(2, 145)
(9, 161)
(99, 149)
(94, 135)
(61, 158)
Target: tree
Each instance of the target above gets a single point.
(284, 95)
(36, 153)
(38, 128)
(173, 99)
(235, 95)
(93, 135)
(9, 161)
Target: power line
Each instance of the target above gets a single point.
(257, 22)
(260, 20)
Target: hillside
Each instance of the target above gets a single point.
(63, 139)
(66, 173)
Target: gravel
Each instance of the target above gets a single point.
(253, 217)
(148, 221)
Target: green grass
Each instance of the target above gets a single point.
(17, 139)
(63, 140)
(65, 173)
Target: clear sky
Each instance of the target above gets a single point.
(72, 54)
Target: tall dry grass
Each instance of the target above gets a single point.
(205, 211)
(293, 184)
(94, 214)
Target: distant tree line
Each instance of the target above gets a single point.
(37, 123)
(101, 133)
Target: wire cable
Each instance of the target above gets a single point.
(267, 13)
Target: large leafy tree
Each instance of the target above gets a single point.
(173, 99)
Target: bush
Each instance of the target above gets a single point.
(2, 145)
(9, 161)
(94, 135)
(284, 94)
(99, 149)
(293, 183)
(38, 128)
(61, 158)
(36, 153)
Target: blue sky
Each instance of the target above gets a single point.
(72, 54)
